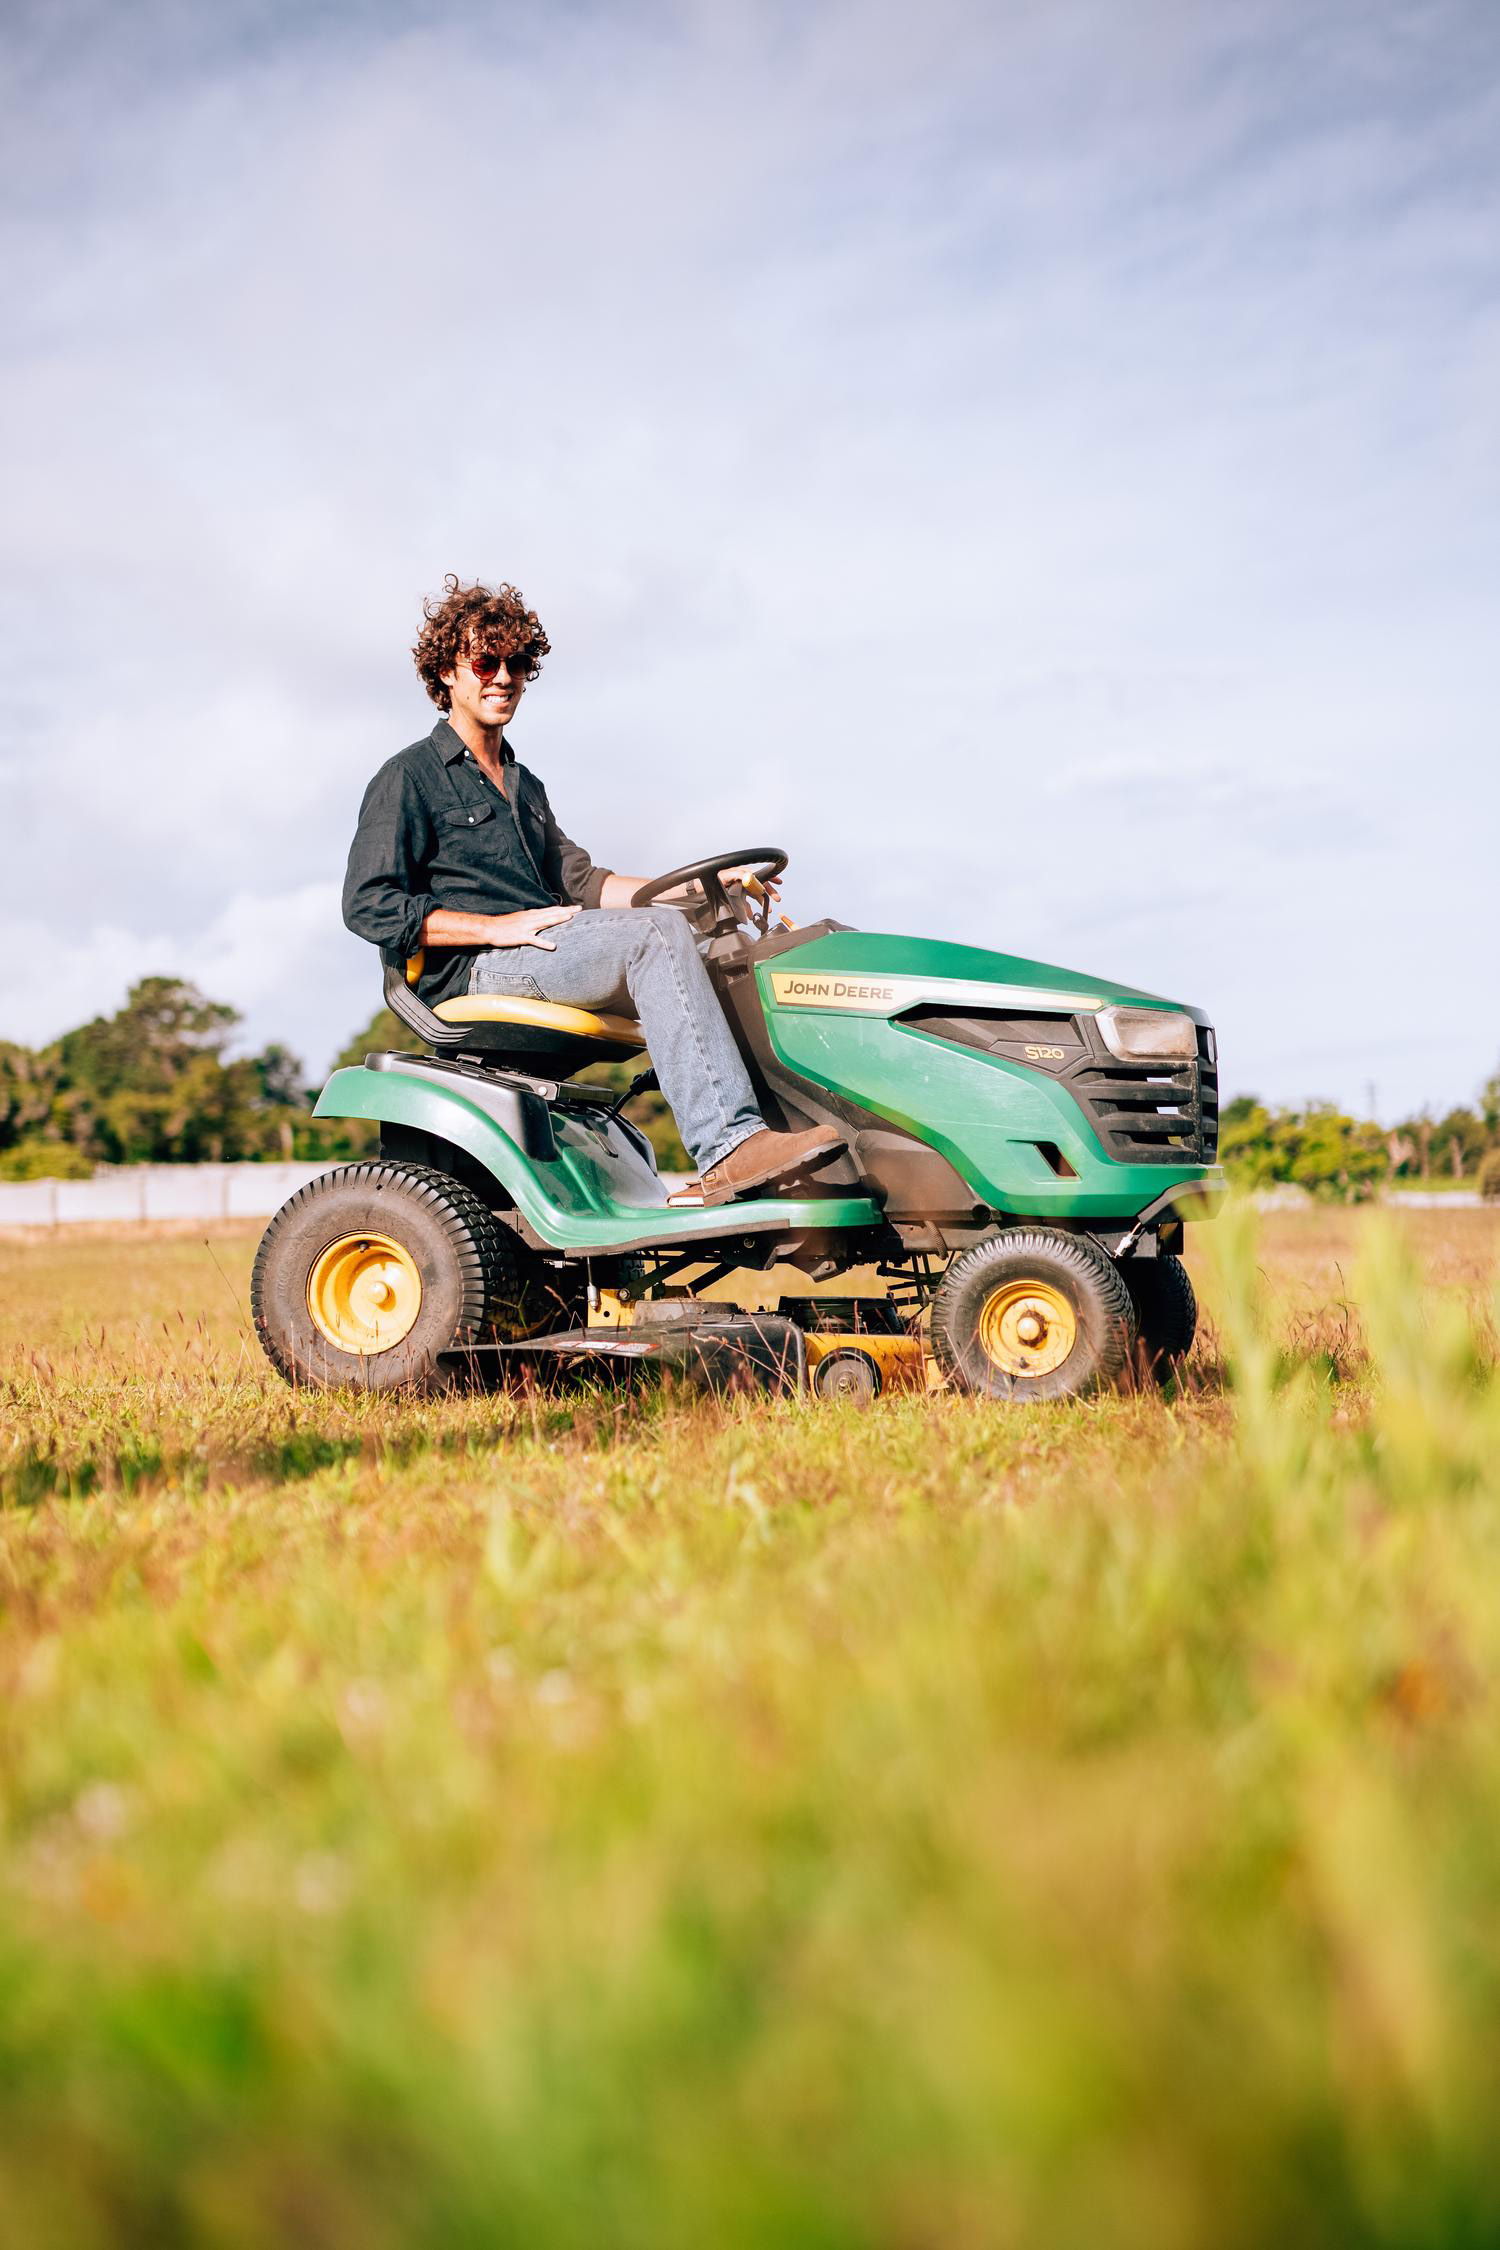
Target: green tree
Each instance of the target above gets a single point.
(147, 1045)
(383, 1031)
(150, 1084)
(1247, 1143)
(28, 1090)
(1318, 1148)
(1489, 1108)
(281, 1093)
(1459, 1141)
(1333, 1155)
(35, 1158)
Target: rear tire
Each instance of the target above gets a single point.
(380, 1250)
(1032, 1313)
(1166, 1314)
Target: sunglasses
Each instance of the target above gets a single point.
(484, 664)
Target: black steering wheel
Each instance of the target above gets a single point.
(717, 912)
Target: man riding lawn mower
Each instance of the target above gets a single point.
(1014, 1148)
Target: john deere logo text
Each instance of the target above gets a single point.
(794, 989)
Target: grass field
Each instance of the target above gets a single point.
(657, 1823)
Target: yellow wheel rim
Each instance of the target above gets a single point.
(364, 1293)
(1027, 1328)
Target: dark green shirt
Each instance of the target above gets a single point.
(435, 831)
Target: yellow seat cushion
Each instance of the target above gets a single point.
(541, 1015)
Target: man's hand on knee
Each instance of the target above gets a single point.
(446, 926)
(526, 928)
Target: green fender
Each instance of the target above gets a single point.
(598, 1194)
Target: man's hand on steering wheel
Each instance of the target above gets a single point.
(754, 874)
(752, 898)
(758, 886)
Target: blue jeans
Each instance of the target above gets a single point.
(644, 961)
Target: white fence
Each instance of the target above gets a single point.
(1397, 1199)
(135, 1194)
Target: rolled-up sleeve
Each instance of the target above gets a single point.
(385, 896)
(567, 865)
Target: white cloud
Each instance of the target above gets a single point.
(1042, 470)
(283, 958)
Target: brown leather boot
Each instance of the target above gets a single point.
(768, 1156)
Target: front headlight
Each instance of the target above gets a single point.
(1148, 1034)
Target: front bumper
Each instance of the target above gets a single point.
(1190, 1199)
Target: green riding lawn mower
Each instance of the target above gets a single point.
(1023, 1147)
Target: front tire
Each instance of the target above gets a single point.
(1032, 1313)
(370, 1275)
(1166, 1314)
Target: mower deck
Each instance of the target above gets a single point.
(856, 1349)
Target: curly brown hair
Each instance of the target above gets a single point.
(469, 619)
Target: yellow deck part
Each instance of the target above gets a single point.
(900, 1362)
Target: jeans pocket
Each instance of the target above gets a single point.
(498, 980)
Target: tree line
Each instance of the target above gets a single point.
(157, 1083)
(1346, 1159)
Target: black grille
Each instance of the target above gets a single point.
(1150, 1112)
(1208, 1092)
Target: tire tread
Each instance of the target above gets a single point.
(955, 1340)
(485, 1259)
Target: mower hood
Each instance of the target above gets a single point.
(862, 972)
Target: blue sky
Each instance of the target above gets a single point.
(1040, 463)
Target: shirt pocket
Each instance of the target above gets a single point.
(463, 818)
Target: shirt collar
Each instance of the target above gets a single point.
(451, 747)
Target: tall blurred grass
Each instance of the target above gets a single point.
(707, 1824)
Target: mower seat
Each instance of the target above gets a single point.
(542, 1015)
(531, 1035)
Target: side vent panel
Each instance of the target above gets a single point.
(1143, 1112)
